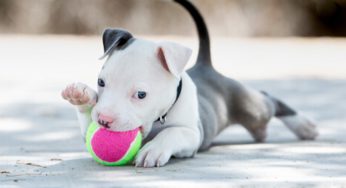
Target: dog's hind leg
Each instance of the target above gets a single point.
(253, 110)
(300, 125)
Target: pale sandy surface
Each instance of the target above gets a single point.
(40, 144)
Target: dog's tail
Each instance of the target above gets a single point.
(203, 57)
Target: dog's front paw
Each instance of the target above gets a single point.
(152, 155)
(79, 94)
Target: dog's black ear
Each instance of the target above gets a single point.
(114, 39)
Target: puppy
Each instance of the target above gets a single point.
(143, 84)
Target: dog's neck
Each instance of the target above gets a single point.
(162, 119)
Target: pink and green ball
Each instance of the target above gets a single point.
(111, 148)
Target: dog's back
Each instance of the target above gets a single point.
(224, 101)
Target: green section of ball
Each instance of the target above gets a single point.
(126, 159)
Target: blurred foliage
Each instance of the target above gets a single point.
(156, 17)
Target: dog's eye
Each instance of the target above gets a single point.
(141, 94)
(101, 83)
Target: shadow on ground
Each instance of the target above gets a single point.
(42, 147)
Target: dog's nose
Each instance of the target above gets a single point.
(104, 120)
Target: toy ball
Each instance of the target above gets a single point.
(112, 148)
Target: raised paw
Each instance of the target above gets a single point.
(151, 155)
(79, 94)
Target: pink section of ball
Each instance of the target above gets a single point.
(111, 146)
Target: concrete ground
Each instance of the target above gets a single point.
(40, 143)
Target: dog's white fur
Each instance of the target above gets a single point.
(300, 126)
(138, 68)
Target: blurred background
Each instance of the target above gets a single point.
(293, 49)
(246, 18)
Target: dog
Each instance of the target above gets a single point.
(143, 84)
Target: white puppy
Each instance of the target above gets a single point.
(143, 84)
(136, 86)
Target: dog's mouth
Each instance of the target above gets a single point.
(141, 129)
(104, 124)
(107, 126)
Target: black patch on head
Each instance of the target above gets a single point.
(115, 39)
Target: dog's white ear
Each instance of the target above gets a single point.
(173, 57)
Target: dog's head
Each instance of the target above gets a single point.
(138, 81)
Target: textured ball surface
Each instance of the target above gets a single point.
(112, 148)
